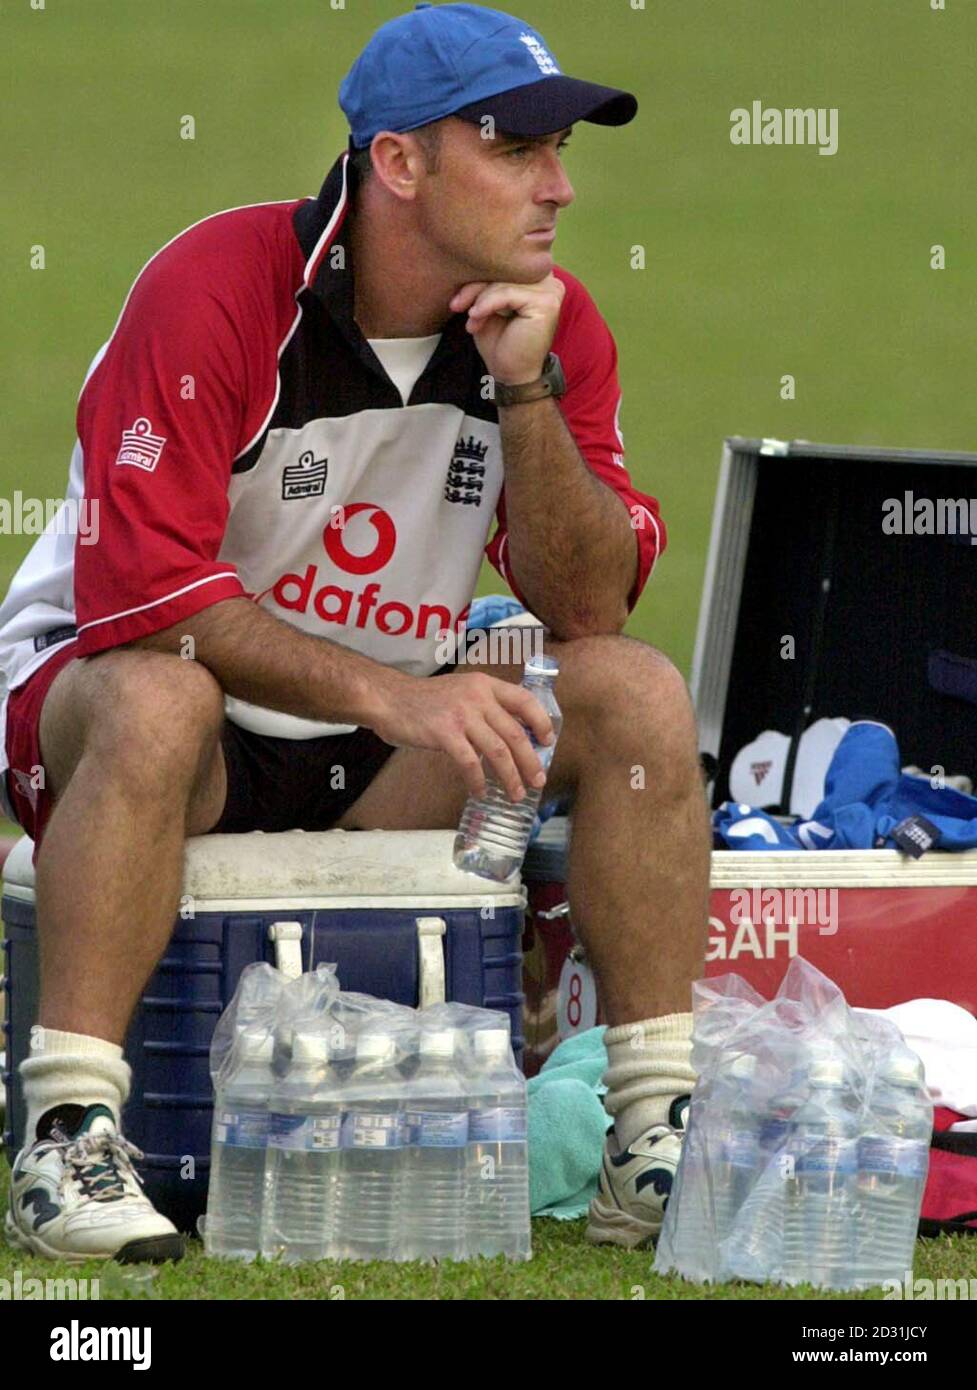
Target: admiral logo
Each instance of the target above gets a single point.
(465, 472)
(760, 771)
(307, 478)
(140, 447)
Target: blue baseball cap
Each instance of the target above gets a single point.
(472, 62)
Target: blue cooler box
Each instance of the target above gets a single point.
(389, 908)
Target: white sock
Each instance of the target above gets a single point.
(71, 1069)
(648, 1065)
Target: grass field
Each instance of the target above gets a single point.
(564, 1266)
(758, 262)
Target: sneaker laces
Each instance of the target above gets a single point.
(101, 1164)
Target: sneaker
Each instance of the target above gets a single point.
(74, 1195)
(635, 1183)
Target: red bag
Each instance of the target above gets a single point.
(950, 1198)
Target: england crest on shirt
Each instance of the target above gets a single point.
(466, 472)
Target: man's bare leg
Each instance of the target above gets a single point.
(638, 889)
(639, 845)
(130, 743)
(131, 753)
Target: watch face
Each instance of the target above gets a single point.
(549, 383)
(553, 375)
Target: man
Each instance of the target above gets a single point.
(297, 436)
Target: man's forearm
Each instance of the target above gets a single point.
(257, 657)
(571, 546)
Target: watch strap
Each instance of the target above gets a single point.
(550, 383)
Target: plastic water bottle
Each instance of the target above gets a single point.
(820, 1206)
(237, 1164)
(303, 1155)
(737, 1145)
(494, 832)
(436, 1117)
(691, 1242)
(369, 1191)
(755, 1245)
(892, 1164)
(497, 1197)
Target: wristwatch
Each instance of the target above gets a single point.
(551, 383)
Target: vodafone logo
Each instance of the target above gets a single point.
(334, 540)
(370, 607)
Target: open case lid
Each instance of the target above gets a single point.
(798, 550)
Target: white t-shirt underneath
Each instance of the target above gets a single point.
(404, 359)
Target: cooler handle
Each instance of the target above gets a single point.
(287, 939)
(430, 949)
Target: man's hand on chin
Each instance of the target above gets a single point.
(513, 325)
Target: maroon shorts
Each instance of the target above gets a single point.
(272, 783)
(31, 803)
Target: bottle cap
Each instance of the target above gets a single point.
(743, 1067)
(828, 1071)
(438, 1042)
(309, 1046)
(904, 1070)
(492, 1042)
(257, 1045)
(375, 1047)
(541, 666)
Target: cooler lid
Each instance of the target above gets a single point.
(314, 865)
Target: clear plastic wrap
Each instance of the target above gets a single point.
(266, 1002)
(806, 1148)
(342, 1127)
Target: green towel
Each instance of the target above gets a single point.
(567, 1124)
